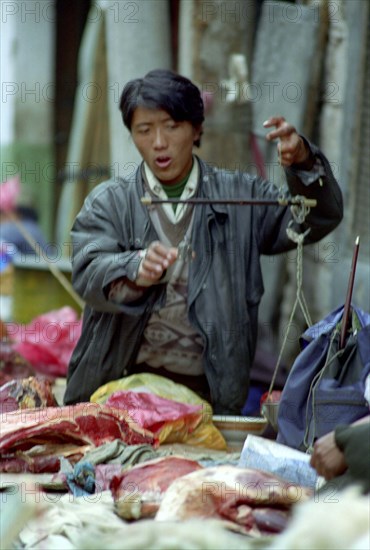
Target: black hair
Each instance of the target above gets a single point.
(163, 89)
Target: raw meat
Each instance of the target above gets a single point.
(83, 424)
(139, 490)
(12, 364)
(257, 501)
(42, 458)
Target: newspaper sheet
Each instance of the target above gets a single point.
(269, 456)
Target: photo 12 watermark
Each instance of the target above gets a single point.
(29, 11)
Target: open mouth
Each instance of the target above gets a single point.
(163, 162)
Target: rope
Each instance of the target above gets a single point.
(55, 271)
(298, 239)
(299, 213)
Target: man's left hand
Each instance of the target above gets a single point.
(326, 458)
(291, 147)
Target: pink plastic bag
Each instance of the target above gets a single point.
(169, 420)
(149, 409)
(9, 193)
(48, 341)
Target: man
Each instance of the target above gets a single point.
(152, 306)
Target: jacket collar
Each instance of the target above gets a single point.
(209, 189)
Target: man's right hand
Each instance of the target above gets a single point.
(155, 260)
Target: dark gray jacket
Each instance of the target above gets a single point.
(225, 281)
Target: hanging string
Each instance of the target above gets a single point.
(300, 298)
(299, 213)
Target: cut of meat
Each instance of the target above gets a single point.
(83, 424)
(138, 491)
(271, 520)
(257, 501)
(42, 458)
(12, 364)
(153, 476)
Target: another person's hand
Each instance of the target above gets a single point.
(157, 258)
(326, 458)
(291, 147)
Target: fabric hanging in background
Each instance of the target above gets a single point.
(89, 147)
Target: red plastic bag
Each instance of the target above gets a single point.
(48, 341)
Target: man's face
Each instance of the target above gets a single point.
(165, 145)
